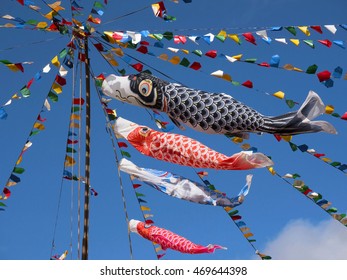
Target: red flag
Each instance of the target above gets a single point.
(211, 53)
(138, 66)
(323, 76)
(278, 137)
(317, 28)
(30, 83)
(82, 57)
(264, 64)
(249, 37)
(142, 49)
(60, 80)
(6, 192)
(135, 186)
(145, 43)
(248, 84)
(72, 141)
(99, 47)
(319, 155)
(21, 2)
(19, 66)
(344, 117)
(101, 77)
(122, 145)
(195, 66)
(78, 101)
(326, 43)
(180, 39)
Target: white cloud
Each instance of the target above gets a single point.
(302, 240)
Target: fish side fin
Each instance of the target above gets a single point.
(300, 121)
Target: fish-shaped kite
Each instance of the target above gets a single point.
(182, 188)
(212, 112)
(169, 240)
(183, 150)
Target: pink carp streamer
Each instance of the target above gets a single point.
(169, 240)
(185, 151)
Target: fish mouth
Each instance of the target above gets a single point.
(118, 87)
(123, 127)
(133, 225)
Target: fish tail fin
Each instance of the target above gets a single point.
(246, 160)
(211, 248)
(300, 121)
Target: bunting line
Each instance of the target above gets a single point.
(300, 186)
(56, 88)
(109, 56)
(37, 127)
(321, 156)
(236, 218)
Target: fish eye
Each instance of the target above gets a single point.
(145, 87)
(144, 131)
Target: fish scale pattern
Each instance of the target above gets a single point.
(210, 112)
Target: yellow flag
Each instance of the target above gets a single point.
(305, 30)
(78, 23)
(329, 109)
(185, 51)
(296, 42)
(75, 117)
(49, 15)
(248, 234)
(69, 161)
(237, 140)
(19, 160)
(279, 94)
(113, 62)
(55, 61)
(57, 88)
(145, 208)
(227, 208)
(12, 67)
(39, 126)
(325, 159)
(297, 69)
(287, 138)
(222, 33)
(234, 37)
(272, 170)
(175, 60)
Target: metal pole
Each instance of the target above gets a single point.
(87, 158)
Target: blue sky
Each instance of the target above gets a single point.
(285, 224)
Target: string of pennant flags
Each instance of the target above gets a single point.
(236, 218)
(39, 124)
(66, 56)
(299, 185)
(305, 149)
(325, 77)
(109, 56)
